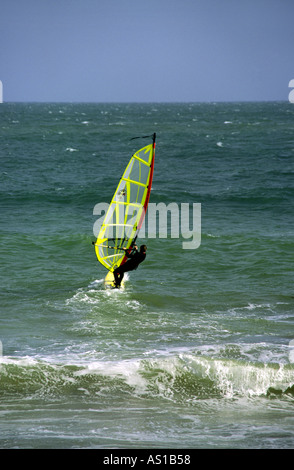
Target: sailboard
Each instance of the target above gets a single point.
(126, 212)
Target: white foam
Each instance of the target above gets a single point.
(95, 283)
(128, 370)
(20, 361)
(236, 378)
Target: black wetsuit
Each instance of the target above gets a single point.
(135, 258)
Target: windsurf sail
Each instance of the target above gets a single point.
(127, 209)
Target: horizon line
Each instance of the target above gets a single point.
(147, 102)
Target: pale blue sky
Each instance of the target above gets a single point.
(146, 50)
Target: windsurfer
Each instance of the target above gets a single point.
(135, 258)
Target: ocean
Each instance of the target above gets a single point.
(197, 352)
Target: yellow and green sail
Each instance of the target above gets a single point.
(127, 209)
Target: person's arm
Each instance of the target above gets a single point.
(132, 253)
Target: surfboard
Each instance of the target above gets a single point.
(109, 282)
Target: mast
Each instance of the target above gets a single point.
(150, 182)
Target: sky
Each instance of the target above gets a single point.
(146, 50)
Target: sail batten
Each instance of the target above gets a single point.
(134, 182)
(141, 160)
(127, 209)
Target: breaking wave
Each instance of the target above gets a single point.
(179, 378)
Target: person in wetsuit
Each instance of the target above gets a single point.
(135, 258)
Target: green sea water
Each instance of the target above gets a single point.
(196, 352)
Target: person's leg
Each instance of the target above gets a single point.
(118, 276)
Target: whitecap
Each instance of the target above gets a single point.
(128, 370)
(95, 283)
